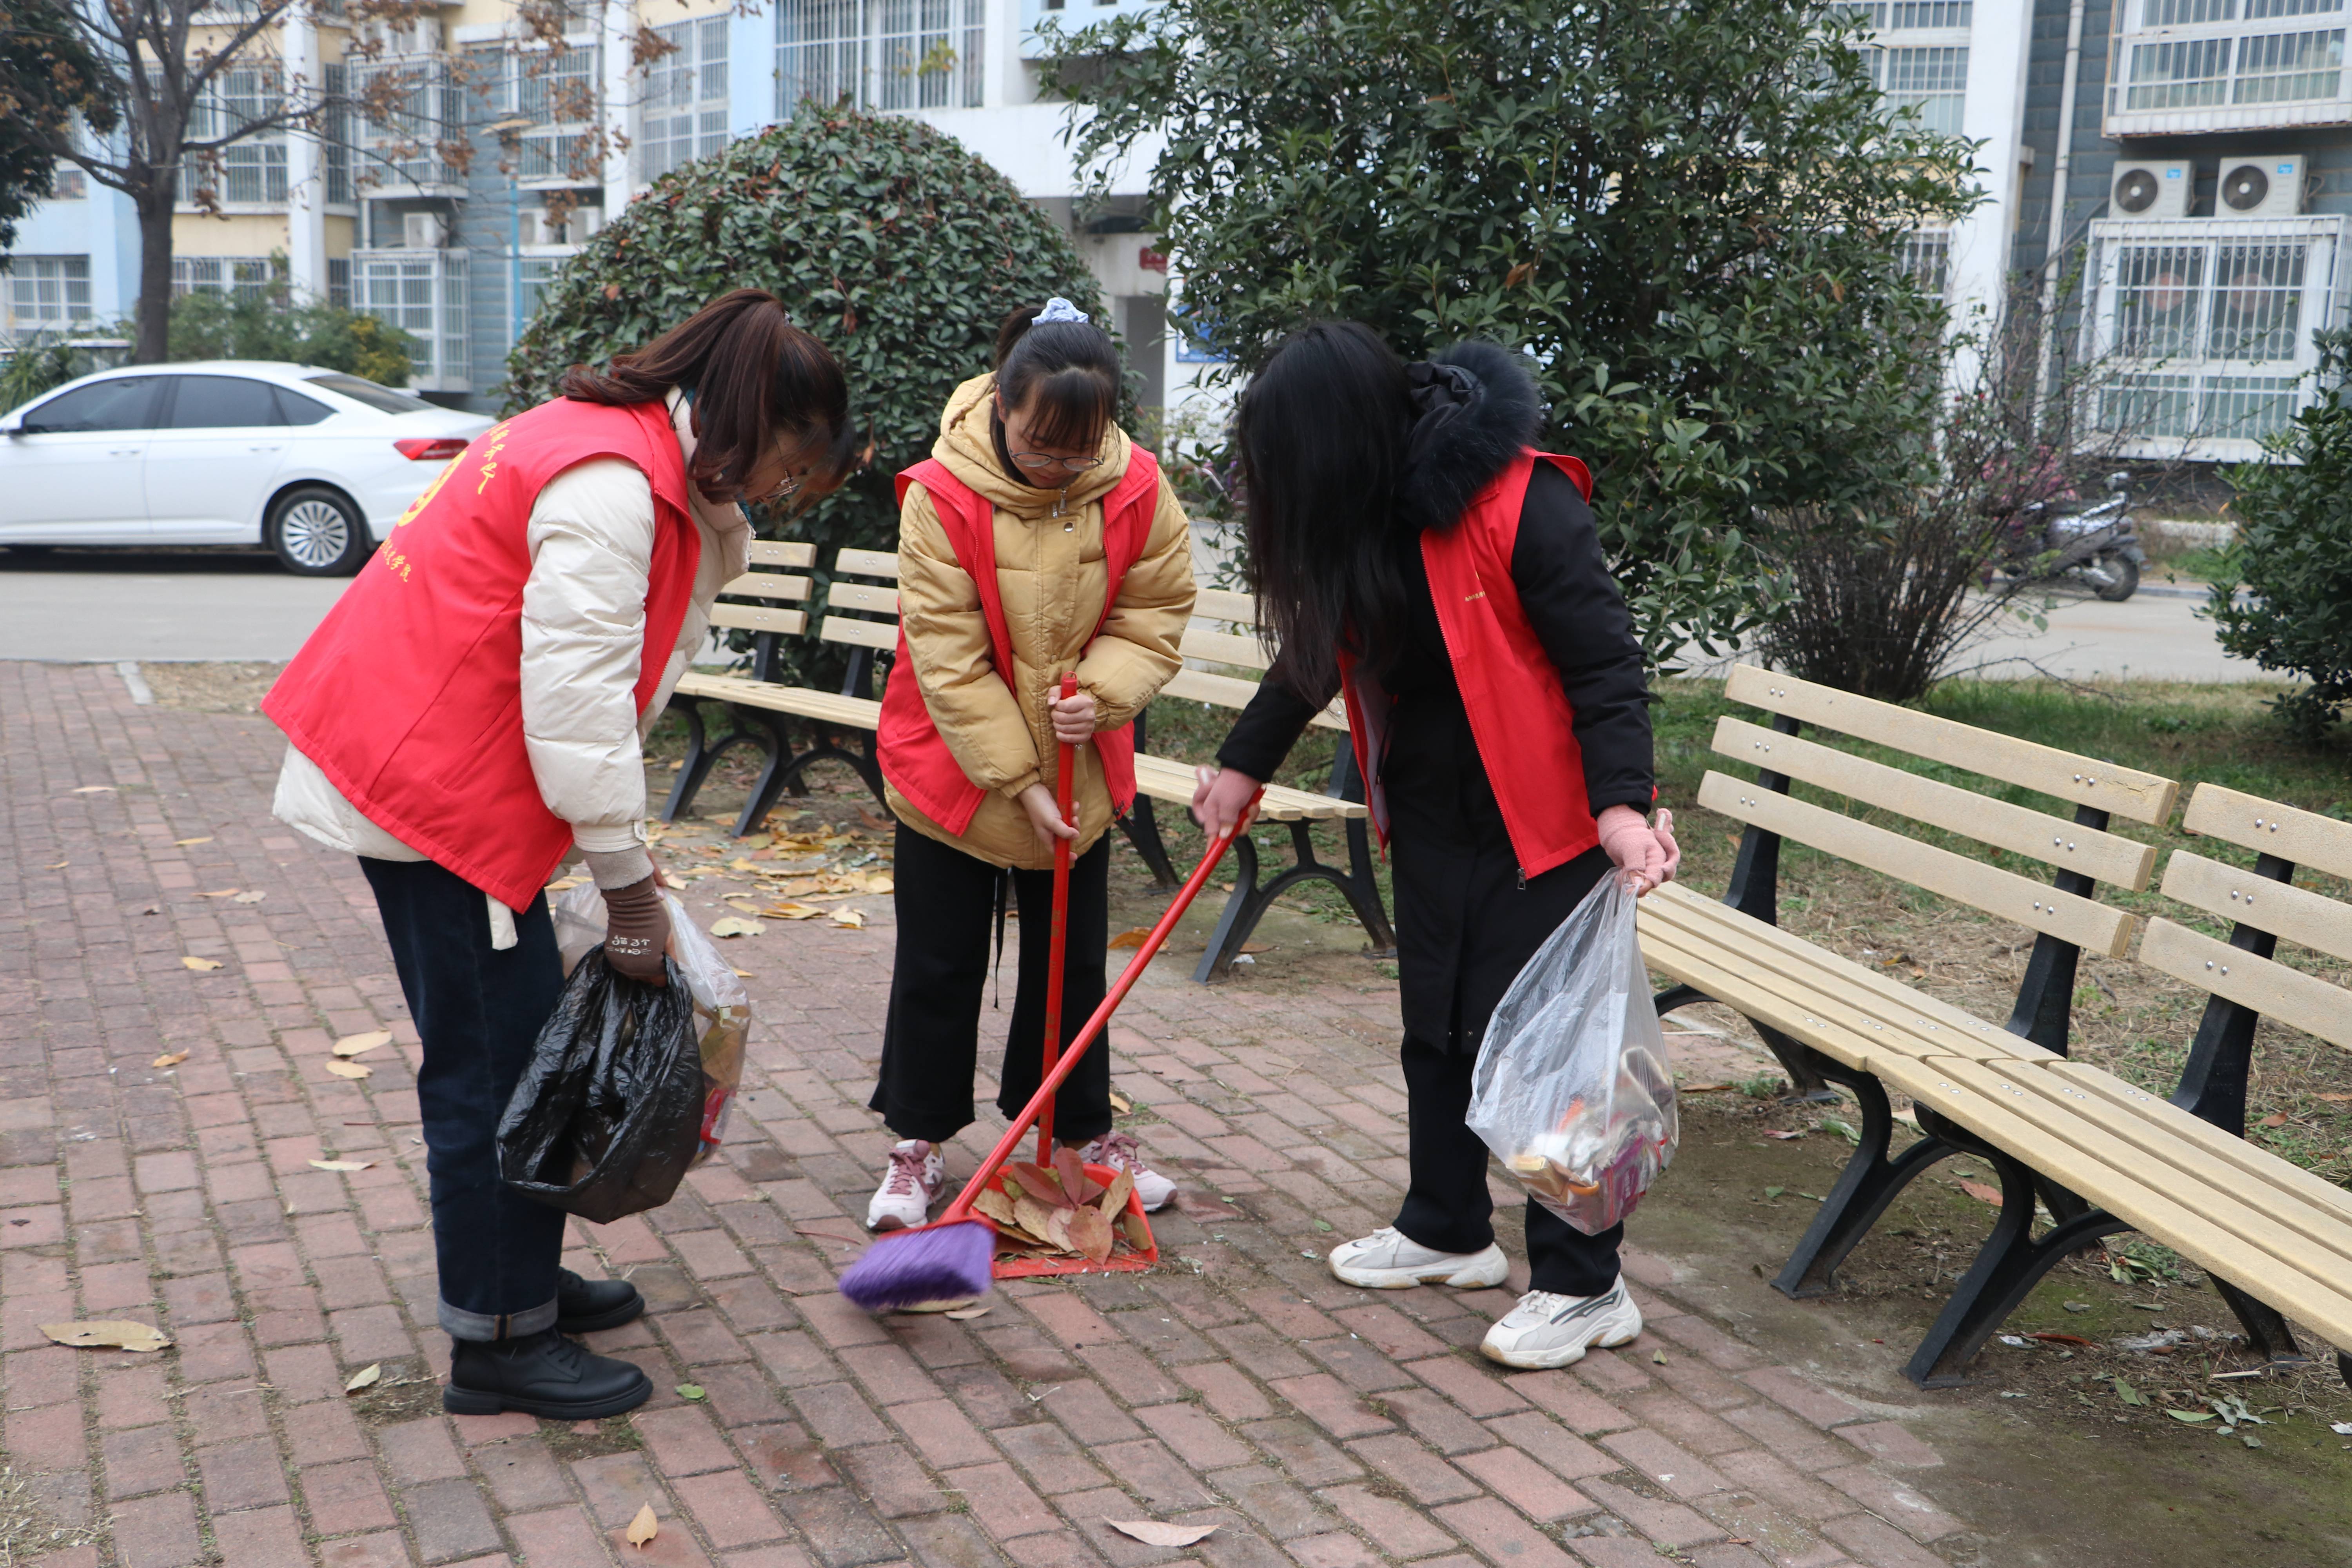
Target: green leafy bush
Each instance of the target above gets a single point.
(1693, 218)
(885, 237)
(2294, 554)
(267, 325)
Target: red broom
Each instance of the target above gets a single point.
(947, 1259)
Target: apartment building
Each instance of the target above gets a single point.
(457, 250)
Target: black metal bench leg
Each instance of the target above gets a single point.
(2344, 1367)
(1363, 891)
(2267, 1334)
(779, 771)
(1864, 1189)
(1142, 829)
(2012, 1262)
(1242, 910)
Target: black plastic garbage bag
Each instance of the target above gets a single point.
(608, 1115)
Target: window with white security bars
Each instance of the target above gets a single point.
(2201, 329)
(682, 114)
(411, 107)
(1935, 81)
(45, 293)
(2185, 66)
(422, 292)
(878, 54)
(250, 170)
(239, 277)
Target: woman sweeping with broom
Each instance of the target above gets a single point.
(1038, 542)
(1411, 549)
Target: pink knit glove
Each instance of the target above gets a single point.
(1648, 854)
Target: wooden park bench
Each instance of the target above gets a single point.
(863, 615)
(2100, 1154)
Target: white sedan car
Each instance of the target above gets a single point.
(315, 464)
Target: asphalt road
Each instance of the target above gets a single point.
(111, 604)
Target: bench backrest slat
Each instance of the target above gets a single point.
(2300, 1001)
(1232, 692)
(862, 597)
(883, 635)
(2310, 919)
(769, 586)
(2102, 857)
(2125, 792)
(2305, 837)
(783, 553)
(1224, 604)
(867, 562)
(759, 618)
(1224, 648)
(2092, 926)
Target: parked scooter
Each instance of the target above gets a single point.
(2097, 546)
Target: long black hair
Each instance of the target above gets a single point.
(1323, 429)
(1069, 368)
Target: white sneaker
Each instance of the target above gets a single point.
(1118, 1150)
(1388, 1259)
(1545, 1329)
(904, 1199)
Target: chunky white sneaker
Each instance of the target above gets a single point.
(1545, 1329)
(917, 1172)
(1388, 1259)
(1118, 1150)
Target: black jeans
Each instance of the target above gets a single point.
(479, 1012)
(946, 902)
(1448, 1207)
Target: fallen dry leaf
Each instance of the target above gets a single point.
(1089, 1233)
(2333, 1098)
(112, 1334)
(95, 789)
(1701, 1088)
(359, 1045)
(255, 897)
(1039, 1183)
(219, 893)
(965, 1314)
(736, 926)
(792, 912)
(1120, 1103)
(200, 964)
(2275, 1119)
(1784, 1137)
(341, 1165)
(2061, 1340)
(1981, 1193)
(1073, 1173)
(1155, 1533)
(347, 1069)
(367, 1376)
(170, 1059)
(643, 1528)
(183, 843)
(741, 906)
(58, 865)
(1115, 1196)
(849, 920)
(1135, 938)
(995, 1206)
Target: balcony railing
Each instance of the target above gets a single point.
(410, 106)
(2201, 330)
(423, 293)
(2187, 65)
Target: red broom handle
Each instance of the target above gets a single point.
(961, 1207)
(1057, 949)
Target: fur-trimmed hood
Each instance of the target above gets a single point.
(1477, 408)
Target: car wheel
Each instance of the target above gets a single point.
(317, 533)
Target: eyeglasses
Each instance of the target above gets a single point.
(1039, 462)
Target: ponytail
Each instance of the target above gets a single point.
(1067, 364)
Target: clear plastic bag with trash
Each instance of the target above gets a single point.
(723, 1007)
(1572, 1089)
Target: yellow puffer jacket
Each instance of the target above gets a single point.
(1051, 574)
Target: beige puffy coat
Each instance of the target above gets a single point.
(1051, 574)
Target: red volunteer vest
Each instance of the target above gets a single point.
(409, 695)
(1518, 715)
(913, 757)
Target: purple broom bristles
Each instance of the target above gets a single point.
(915, 1268)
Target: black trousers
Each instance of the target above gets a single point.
(479, 1012)
(946, 904)
(1447, 1206)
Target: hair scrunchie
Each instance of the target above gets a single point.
(1057, 309)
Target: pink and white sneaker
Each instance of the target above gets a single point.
(1118, 1150)
(909, 1187)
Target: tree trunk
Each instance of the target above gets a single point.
(154, 207)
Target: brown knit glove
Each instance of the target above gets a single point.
(636, 930)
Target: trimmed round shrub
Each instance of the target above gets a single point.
(886, 238)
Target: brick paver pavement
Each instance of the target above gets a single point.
(1238, 1383)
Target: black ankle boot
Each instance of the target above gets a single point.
(540, 1374)
(584, 1306)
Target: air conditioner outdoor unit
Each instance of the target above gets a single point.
(2147, 192)
(423, 231)
(2267, 186)
(585, 222)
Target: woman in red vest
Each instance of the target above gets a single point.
(1037, 541)
(1412, 550)
(470, 714)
